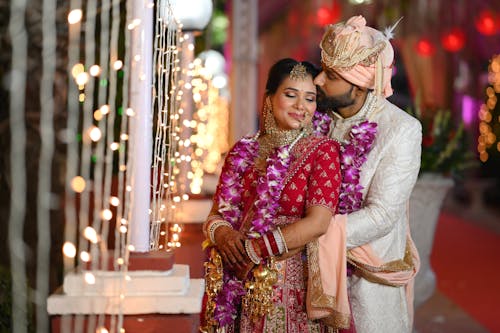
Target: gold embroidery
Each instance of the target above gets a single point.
(368, 271)
(343, 52)
(315, 294)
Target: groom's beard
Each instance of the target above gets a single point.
(333, 103)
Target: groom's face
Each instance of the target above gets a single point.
(334, 92)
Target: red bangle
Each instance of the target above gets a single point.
(262, 246)
(272, 242)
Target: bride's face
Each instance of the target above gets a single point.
(294, 103)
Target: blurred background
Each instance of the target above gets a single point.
(446, 73)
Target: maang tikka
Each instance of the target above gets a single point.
(298, 72)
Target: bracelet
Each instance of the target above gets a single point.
(251, 252)
(268, 245)
(214, 226)
(272, 243)
(262, 247)
(209, 221)
(281, 241)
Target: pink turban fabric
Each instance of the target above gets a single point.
(360, 54)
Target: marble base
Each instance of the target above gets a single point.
(60, 303)
(133, 283)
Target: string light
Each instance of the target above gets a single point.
(487, 137)
(69, 250)
(106, 214)
(90, 234)
(85, 256)
(89, 278)
(78, 184)
(95, 70)
(75, 16)
(95, 133)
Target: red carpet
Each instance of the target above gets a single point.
(466, 260)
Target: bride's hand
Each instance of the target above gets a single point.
(230, 244)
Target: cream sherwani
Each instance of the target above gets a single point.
(388, 177)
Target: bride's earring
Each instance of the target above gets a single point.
(269, 122)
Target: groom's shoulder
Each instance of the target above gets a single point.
(393, 117)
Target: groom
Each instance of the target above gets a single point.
(355, 81)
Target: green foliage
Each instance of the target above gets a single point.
(444, 143)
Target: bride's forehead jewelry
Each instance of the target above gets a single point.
(298, 72)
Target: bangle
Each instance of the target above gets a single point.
(272, 243)
(214, 226)
(268, 245)
(211, 219)
(280, 240)
(264, 253)
(249, 249)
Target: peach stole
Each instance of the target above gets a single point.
(327, 283)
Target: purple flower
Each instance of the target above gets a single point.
(321, 123)
(354, 154)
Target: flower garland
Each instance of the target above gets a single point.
(353, 156)
(269, 187)
(321, 123)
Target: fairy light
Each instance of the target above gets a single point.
(69, 249)
(487, 137)
(129, 112)
(82, 78)
(89, 278)
(91, 235)
(85, 256)
(75, 16)
(95, 70)
(106, 214)
(114, 146)
(77, 69)
(78, 184)
(117, 65)
(95, 134)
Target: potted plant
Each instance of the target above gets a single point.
(445, 157)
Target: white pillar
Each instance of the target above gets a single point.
(243, 116)
(141, 124)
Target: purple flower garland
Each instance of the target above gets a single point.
(269, 187)
(353, 156)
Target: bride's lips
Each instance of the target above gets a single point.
(298, 117)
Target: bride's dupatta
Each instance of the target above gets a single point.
(327, 282)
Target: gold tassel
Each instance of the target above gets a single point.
(257, 301)
(213, 284)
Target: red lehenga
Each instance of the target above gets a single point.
(313, 178)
